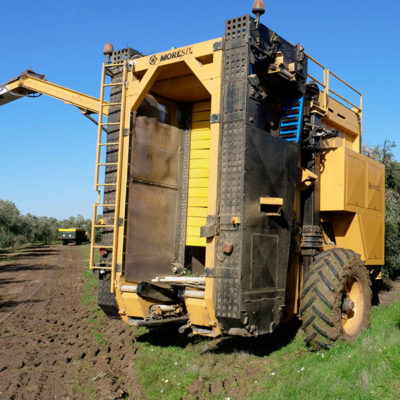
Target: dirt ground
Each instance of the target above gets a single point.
(390, 293)
(48, 344)
(47, 348)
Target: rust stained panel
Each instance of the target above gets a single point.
(151, 232)
(155, 152)
(152, 201)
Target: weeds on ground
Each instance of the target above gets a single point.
(174, 367)
(89, 297)
(366, 369)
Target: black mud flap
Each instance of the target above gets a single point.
(106, 299)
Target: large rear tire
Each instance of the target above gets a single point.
(336, 298)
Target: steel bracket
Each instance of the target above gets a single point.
(210, 229)
(218, 45)
(214, 118)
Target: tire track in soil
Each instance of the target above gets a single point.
(47, 350)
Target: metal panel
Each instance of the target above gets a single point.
(253, 164)
(373, 226)
(376, 185)
(155, 153)
(153, 200)
(355, 180)
(264, 261)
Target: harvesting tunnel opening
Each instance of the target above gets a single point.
(168, 177)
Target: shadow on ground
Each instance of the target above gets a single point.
(262, 345)
(12, 304)
(259, 346)
(21, 267)
(27, 252)
(167, 336)
(11, 281)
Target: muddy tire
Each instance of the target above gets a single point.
(336, 300)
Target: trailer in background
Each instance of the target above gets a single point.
(72, 235)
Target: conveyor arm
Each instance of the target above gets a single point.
(29, 83)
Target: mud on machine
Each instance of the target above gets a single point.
(232, 190)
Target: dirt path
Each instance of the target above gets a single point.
(47, 346)
(391, 294)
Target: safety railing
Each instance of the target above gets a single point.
(325, 84)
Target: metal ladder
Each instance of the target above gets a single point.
(108, 70)
(290, 126)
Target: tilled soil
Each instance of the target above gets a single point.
(47, 346)
(54, 346)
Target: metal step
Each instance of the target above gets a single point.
(290, 124)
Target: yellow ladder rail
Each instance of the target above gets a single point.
(119, 170)
(100, 187)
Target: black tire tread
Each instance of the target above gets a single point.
(326, 281)
(309, 287)
(324, 333)
(308, 304)
(322, 316)
(332, 268)
(308, 322)
(321, 297)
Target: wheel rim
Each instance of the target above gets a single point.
(352, 317)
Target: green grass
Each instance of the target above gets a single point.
(367, 369)
(172, 367)
(166, 371)
(89, 297)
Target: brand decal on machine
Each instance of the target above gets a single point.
(170, 55)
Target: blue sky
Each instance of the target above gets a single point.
(48, 149)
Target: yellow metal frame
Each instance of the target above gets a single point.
(143, 74)
(198, 187)
(86, 103)
(99, 187)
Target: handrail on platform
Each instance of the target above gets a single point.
(325, 84)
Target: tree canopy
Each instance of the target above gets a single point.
(17, 229)
(384, 154)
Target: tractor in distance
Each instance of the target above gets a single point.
(72, 235)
